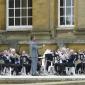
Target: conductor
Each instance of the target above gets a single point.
(34, 55)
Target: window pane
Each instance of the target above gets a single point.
(11, 3)
(72, 2)
(68, 11)
(72, 11)
(11, 12)
(24, 12)
(62, 11)
(24, 21)
(11, 21)
(68, 20)
(62, 2)
(72, 20)
(17, 3)
(29, 12)
(24, 3)
(17, 21)
(29, 21)
(68, 2)
(29, 3)
(62, 20)
(17, 12)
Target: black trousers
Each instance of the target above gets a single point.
(59, 68)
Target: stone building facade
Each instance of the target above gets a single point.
(53, 22)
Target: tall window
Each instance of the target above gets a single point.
(19, 14)
(66, 13)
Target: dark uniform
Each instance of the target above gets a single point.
(25, 61)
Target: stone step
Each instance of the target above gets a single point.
(40, 79)
(80, 82)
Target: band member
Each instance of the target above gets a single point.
(62, 60)
(15, 61)
(2, 62)
(70, 66)
(80, 63)
(6, 57)
(25, 61)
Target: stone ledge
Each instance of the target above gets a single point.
(38, 79)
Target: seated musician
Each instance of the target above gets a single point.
(62, 60)
(57, 61)
(5, 61)
(15, 61)
(80, 62)
(6, 57)
(84, 62)
(71, 59)
(70, 65)
(48, 58)
(25, 61)
(14, 57)
(44, 61)
(2, 62)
